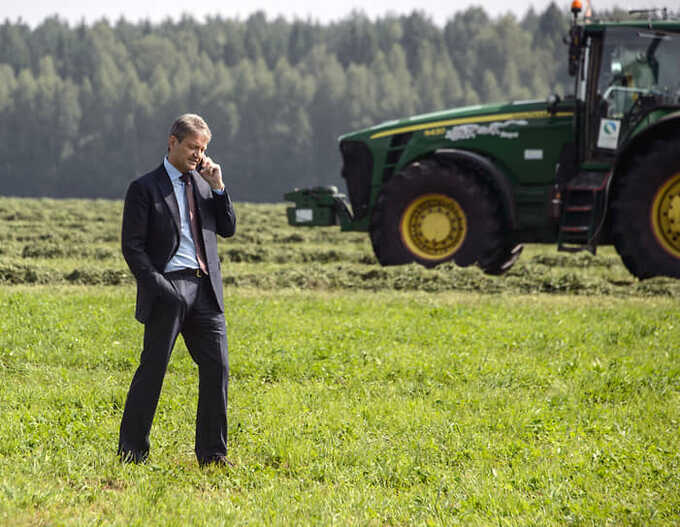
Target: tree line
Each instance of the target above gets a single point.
(85, 109)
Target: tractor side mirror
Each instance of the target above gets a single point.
(575, 45)
(552, 101)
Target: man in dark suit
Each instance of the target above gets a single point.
(171, 220)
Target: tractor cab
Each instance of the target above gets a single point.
(630, 77)
(627, 79)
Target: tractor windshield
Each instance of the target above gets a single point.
(638, 64)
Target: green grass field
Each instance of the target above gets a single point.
(359, 395)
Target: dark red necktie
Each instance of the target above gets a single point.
(193, 222)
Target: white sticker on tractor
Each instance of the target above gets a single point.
(303, 215)
(609, 134)
(533, 155)
(470, 131)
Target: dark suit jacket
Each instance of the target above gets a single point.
(151, 229)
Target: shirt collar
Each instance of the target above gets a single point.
(171, 170)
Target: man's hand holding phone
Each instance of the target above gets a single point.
(211, 172)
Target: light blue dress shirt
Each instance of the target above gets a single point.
(185, 257)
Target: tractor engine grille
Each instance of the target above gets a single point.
(397, 145)
(357, 168)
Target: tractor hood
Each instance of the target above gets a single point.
(467, 114)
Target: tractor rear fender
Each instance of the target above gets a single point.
(663, 128)
(492, 175)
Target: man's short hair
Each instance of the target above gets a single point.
(189, 124)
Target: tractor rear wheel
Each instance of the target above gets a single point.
(646, 212)
(431, 213)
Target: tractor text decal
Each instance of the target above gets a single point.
(470, 131)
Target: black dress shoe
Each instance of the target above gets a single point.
(132, 456)
(215, 461)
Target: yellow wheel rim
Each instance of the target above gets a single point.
(666, 215)
(433, 227)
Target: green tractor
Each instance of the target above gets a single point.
(472, 184)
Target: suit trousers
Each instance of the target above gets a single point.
(196, 316)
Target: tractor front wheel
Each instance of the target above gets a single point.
(431, 213)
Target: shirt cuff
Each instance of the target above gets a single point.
(219, 192)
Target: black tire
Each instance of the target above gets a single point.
(646, 211)
(502, 260)
(470, 204)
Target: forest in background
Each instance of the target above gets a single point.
(86, 109)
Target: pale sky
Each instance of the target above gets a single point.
(74, 11)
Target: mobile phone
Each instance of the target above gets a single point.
(199, 167)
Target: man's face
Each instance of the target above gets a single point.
(186, 155)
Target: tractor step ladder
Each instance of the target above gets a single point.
(582, 212)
